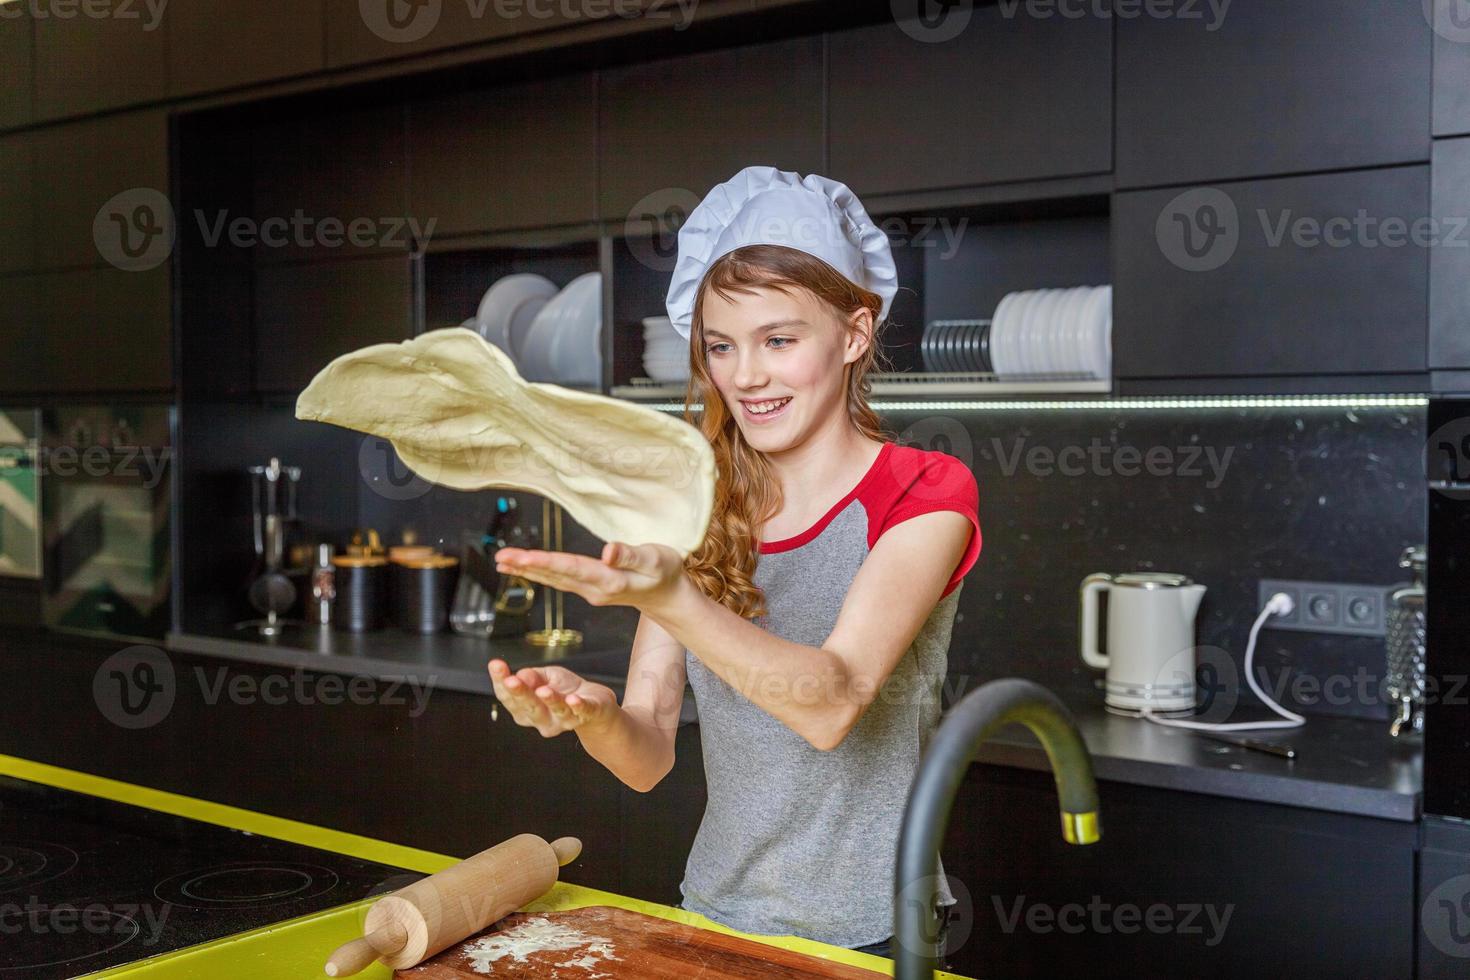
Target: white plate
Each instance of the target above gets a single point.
(536, 364)
(1046, 336)
(509, 305)
(1050, 347)
(998, 321)
(1068, 353)
(1104, 337)
(1033, 357)
(1025, 359)
(1097, 316)
(576, 348)
(1007, 319)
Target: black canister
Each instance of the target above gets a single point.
(422, 590)
(362, 592)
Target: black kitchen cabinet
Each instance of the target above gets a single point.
(87, 63)
(1273, 277)
(17, 55)
(310, 312)
(1181, 884)
(1451, 67)
(658, 827)
(358, 32)
(103, 329)
(401, 761)
(518, 156)
(1449, 264)
(1007, 98)
(20, 368)
(1444, 899)
(17, 203)
(331, 184)
(1270, 88)
(79, 167)
(670, 130)
(217, 44)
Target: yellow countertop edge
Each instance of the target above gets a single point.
(303, 944)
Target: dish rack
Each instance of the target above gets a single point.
(913, 384)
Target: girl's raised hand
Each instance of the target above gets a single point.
(553, 699)
(645, 576)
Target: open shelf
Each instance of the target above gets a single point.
(916, 385)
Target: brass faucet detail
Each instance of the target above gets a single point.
(950, 751)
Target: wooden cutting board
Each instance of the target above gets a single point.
(600, 941)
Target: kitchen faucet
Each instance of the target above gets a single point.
(949, 753)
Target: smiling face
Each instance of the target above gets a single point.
(783, 347)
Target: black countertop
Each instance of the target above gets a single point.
(1348, 765)
(1345, 765)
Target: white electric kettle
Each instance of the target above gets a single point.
(1150, 660)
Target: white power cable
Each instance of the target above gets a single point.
(1279, 604)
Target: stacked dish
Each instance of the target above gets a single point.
(1054, 332)
(564, 342)
(956, 345)
(508, 309)
(665, 351)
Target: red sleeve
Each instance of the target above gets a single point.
(921, 482)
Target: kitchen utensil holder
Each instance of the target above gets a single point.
(553, 635)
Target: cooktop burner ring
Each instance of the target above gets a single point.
(36, 956)
(29, 862)
(246, 884)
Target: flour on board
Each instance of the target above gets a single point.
(539, 935)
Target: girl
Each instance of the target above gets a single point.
(813, 623)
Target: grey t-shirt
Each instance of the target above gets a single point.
(794, 840)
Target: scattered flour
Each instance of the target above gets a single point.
(539, 935)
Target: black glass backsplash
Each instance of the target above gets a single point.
(1227, 496)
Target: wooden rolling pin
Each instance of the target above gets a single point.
(408, 926)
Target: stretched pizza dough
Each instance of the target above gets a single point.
(459, 415)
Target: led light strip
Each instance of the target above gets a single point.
(1131, 404)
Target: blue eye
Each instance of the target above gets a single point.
(786, 342)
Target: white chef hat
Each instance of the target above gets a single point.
(766, 206)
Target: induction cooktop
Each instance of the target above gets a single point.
(88, 883)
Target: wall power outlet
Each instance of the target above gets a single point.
(1328, 607)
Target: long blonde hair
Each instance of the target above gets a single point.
(746, 491)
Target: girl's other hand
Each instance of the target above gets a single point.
(553, 699)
